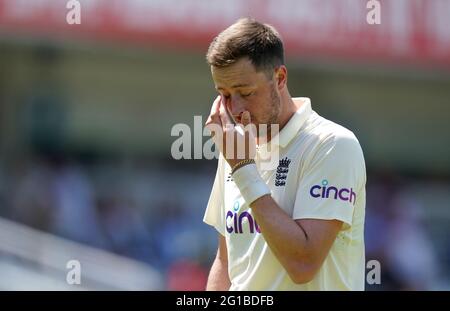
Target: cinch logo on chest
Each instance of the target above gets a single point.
(282, 171)
(235, 220)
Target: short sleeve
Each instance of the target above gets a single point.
(214, 214)
(332, 181)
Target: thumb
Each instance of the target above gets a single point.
(246, 120)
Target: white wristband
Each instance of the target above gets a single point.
(250, 183)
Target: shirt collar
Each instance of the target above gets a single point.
(290, 130)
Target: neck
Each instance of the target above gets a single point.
(288, 108)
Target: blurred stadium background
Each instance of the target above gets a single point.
(86, 113)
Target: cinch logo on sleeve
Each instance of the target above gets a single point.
(324, 191)
(235, 221)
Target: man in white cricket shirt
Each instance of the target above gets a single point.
(300, 224)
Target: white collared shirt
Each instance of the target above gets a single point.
(320, 175)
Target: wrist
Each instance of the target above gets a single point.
(250, 183)
(240, 164)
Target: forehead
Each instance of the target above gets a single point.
(241, 73)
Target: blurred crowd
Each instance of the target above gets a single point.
(147, 212)
(403, 233)
(152, 212)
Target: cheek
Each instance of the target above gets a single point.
(253, 106)
(257, 106)
(260, 103)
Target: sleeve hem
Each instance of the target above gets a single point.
(215, 226)
(347, 223)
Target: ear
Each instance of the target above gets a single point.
(281, 77)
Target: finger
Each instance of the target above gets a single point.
(213, 119)
(226, 103)
(214, 115)
(250, 145)
(246, 119)
(224, 117)
(216, 105)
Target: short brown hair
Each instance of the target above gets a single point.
(261, 43)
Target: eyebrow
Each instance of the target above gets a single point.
(235, 86)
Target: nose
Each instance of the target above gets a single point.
(236, 105)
